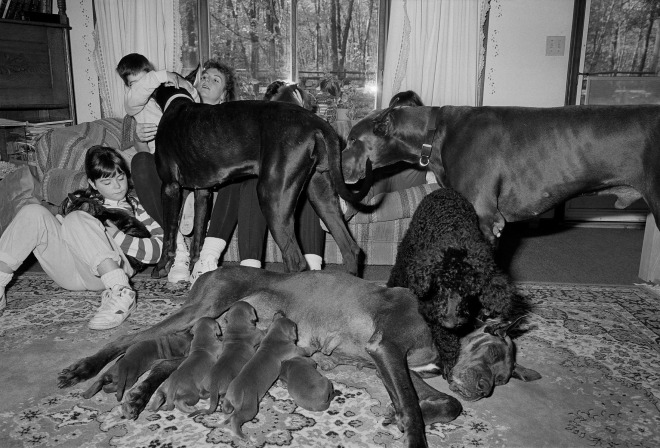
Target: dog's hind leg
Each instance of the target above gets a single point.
(138, 397)
(278, 204)
(326, 203)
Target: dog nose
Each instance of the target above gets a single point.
(483, 387)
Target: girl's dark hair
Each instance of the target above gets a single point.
(132, 64)
(230, 77)
(407, 98)
(100, 162)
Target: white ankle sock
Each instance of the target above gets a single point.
(315, 262)
(251, 263)
(212, 249)
(115, 277)
(5, 278)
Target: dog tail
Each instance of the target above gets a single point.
(331, 145)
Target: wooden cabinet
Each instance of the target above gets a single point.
(35, 71)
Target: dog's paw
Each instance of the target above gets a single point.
(441, 408)
(75, 373)
(135, 402)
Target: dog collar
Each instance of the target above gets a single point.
(427, 146)
(178, 95)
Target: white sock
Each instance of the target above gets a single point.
(315, 262)
(4, 280)
(115, 277)
(250, 262)
(212, 249)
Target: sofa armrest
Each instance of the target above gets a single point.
(394, 205)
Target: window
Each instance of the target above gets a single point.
(620, 52)
(306, 41)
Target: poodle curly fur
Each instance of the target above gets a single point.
(449, 265)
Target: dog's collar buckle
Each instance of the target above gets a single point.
(425, 157)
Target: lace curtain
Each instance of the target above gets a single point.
(436, 48)
(149, 27)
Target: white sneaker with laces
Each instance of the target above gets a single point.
(180, 270)
(117, 304)
(202, 266)
(188, 216)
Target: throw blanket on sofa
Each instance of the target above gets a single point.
(61, 154)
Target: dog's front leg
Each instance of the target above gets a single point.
(392, 367)
(138, 397)
(171, 196)
(202, 215)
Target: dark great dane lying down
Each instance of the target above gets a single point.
(350, 320)
(514, 163)
(200, 146)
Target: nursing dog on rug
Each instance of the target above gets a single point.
(514, 163)
(342, 319)
(200, 146)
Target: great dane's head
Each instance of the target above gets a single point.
(385, 137)
(166, 94)
(290, 93)
(486, 360)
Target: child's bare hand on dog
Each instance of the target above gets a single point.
(146, 131)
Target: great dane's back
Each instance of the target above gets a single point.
(514, 163)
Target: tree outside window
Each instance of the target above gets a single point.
(336, 40)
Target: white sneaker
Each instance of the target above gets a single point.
(201, 267)
(188, 216)
(180, 270)
(116, 305)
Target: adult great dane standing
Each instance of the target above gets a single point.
(200, 146)
(514, 163)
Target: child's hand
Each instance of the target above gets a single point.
(146, 131)
(172, 79)
(111, 226)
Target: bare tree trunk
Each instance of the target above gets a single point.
(344, 38)
(600, 35)
(654, 67)
(253, 16)
(613, 47)
(317, 44)
(647, 39)
(334, 34)
(366, 37)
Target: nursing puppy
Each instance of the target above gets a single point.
(240, 340)
(182, 389)
(307, 386)
(260, 372)
(138, 359)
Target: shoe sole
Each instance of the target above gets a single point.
(110, 326)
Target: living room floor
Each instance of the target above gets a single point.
(544, 253)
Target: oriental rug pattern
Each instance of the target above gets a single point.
(597, 347)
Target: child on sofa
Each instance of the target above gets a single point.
(78, 251)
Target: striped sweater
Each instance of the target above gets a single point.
(146, 250)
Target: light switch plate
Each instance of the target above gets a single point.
(555, 45)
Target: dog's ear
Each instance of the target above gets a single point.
(383, 123)
(272, 89)
(192, 76)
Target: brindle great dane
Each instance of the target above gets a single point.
(514, 163)
(341, 320)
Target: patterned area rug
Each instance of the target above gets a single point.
(597, 347)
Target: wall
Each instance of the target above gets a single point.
(517, 70)
(85, 79)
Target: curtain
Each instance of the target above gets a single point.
(436, 48)
(149, 27)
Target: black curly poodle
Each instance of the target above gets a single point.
(446, 261)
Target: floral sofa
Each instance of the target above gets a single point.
(61, 153)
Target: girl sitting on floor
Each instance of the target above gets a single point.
(79, 252)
